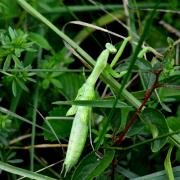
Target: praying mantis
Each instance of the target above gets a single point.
(82, 114)
(79, 129)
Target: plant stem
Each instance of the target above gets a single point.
(36, 95)
(137, 112)
(142, 143)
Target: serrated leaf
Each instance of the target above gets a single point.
(14, 88)
(61, 127)
(146, 74)
(92, 166)
(40, 40)
(156, 120)
(143, 64)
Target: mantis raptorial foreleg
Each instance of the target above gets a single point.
(119, 53)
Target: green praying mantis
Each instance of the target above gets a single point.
(82, 114)
(79, 129)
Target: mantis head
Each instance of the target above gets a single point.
(111, 48)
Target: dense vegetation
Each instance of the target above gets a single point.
(134, 126)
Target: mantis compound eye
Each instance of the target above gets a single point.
(111, 48)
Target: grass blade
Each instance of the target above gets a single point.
(22, 172)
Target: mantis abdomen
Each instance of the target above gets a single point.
(79, 130)
(78, 137)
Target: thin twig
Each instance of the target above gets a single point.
(40, 146)
(170, 28)
(146, 98)
(20, 138)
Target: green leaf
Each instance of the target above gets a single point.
(14, 88)
(12, 33)
(40, 40)
(172, 81)
(7, 63)
(16, 61)
(22, 85)
(15, 161)
(116, 120)
(61, 127)
(56, 83)
(125, 172)
(124, 118)
(167, 164)
(45, 83)
(92, 166)
(160, 175)
(147, 76)
(143, 64)
(174, 125)
(170, 94)
(136, 129)
(9, 9)
(71, 82)
(158, 125)
(165, 107)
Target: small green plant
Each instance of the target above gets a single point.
(18, 78)
(12, 46)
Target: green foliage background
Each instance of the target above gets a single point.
(38, 69)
